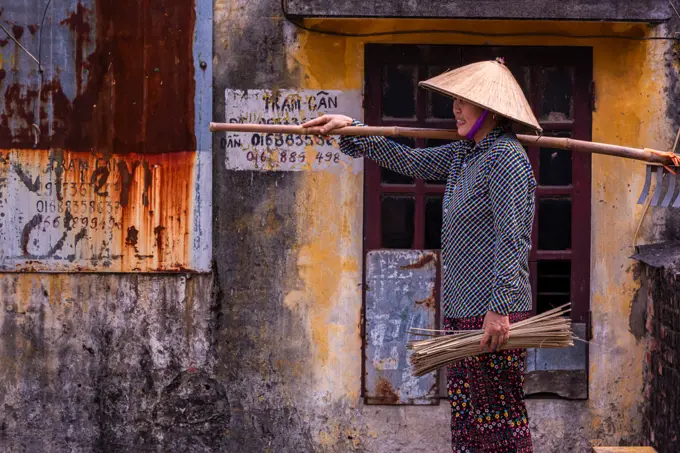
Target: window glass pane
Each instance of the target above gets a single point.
(431, 143)
(554, 224)
(399, 91)
(390, 177)
(397, 221)
(434, 142)
(523, 76)
(555, 167)
(433, 222)
(554, 284)
(556, 86)
(438, 105)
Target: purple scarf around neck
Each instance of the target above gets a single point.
(478, 124)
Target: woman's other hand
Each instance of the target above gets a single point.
(496, 331)
(326, 124)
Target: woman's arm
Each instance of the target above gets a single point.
(424, 163)
(511, 186)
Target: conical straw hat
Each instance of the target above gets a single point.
(489, 85)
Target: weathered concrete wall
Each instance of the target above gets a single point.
(94, 363)
(288, 249)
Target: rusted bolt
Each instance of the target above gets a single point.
(203, 65)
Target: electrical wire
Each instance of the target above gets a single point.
(38, 102)
(674, 8)
(11, 36)
(467, 32)
(42, 24)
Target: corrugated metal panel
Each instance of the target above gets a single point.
(105, 158)
(400, 295)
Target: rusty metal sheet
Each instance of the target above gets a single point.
(400, 295)
(110, 140)
(74, 210)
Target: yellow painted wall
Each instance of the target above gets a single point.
(629, 77)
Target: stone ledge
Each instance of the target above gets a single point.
(588, 10)
(624, 450)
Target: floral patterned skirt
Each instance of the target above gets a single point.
(488, 414)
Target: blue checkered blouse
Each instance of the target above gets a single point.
(488, 214)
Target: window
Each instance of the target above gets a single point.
(405, 213)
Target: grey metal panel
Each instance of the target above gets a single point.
(562, 372)
(201, 250)
(572, 358)
(602, 10)
(400, 295)
(531, 360)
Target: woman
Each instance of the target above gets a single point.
(486, 237)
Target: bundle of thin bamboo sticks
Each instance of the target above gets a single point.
(547, 330)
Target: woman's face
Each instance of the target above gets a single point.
(466, 115)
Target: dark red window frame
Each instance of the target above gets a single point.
(532, 60)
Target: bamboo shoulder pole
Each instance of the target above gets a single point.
(643, 154)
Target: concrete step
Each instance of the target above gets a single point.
(624, 450)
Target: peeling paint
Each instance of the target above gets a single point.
(424, 261)
(326, 269)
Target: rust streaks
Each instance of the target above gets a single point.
(123, 212)
(139, 95)
(18, 114)
(424, 260)
(98, 180)
(132, 237)
(385, 391)
(133, 71)
(17, 31)
(158, 234)
(428, 303)
(78, 23)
